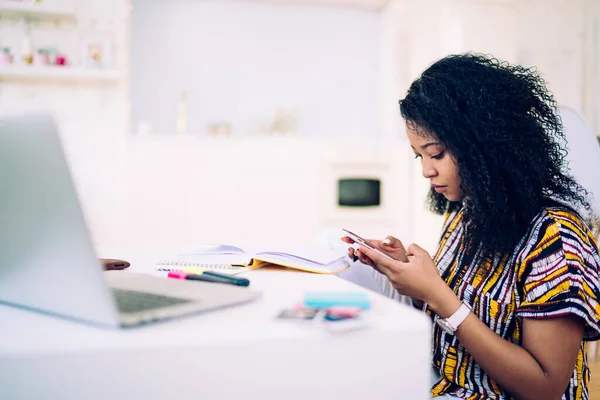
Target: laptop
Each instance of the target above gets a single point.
(47, 260)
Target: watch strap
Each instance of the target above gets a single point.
(459, 316)
(451, 324)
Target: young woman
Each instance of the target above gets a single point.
(513, 288)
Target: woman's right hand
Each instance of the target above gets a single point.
(389, 245)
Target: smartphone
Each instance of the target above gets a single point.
(366, 243)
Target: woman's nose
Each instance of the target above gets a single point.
(428, 171)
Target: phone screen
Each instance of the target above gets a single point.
(366, 243)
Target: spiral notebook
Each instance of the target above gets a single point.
(233, 260)
(197, 267)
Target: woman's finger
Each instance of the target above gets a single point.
(392, 242)
(346, 239)
(377, 269)
(363, 258)
(366, 260)
(417, 251)
(382, 262)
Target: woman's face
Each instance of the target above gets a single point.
(436, 163)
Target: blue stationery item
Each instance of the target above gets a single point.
(331, 299)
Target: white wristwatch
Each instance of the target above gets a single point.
(452, 323)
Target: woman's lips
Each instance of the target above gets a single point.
(438, 188)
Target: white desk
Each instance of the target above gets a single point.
(241, 352)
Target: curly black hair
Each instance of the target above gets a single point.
(501, 125)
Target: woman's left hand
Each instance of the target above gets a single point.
(418, 278)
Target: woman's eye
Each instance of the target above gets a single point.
(417, 156)
(438, 156)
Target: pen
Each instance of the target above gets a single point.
(208, 276)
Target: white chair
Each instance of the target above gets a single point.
(584, 165)
(583, 155)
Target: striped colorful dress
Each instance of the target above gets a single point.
(552, 272)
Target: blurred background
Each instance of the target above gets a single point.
(263, 123)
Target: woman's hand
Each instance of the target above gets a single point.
(417, 277)
(390, 245)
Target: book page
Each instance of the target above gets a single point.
(311, 252)
(296, 262)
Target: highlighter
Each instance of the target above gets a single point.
(208, 276)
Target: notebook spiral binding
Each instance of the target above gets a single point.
(178, 265)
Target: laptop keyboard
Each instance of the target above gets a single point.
(130, 301)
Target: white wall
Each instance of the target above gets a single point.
(242, 61)
(270, 192)
(119, 176)
(559, 37)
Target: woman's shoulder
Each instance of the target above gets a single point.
(566, 219)
(559, 270)
(559, 222)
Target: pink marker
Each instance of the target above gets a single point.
(343, 312)
(177, 275)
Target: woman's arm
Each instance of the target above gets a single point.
(540, 369)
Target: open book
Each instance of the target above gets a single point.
(232, 260)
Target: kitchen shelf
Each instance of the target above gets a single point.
(11, 72)
(38, 11)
